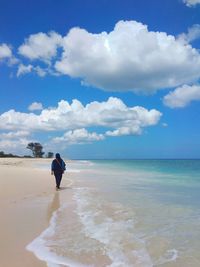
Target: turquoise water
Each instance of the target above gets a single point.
(174, 181)
(165, 197)
(127, 213)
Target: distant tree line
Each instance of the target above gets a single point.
(37, 151)
(9, 155)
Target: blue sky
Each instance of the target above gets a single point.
(101, 79)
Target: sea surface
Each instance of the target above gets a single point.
(125, 213)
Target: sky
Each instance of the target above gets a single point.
(101, 79)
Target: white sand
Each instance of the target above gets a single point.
(25, 203)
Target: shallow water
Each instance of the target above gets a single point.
(126, 213)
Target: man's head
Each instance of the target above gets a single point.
(57, 155)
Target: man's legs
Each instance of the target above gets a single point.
(58, 177)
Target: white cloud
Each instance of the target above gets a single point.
(112, 115)
(41, 46)
(35, 106)
(6, 55)
(14, 142)
(13, 120)
(192, 34)
(129, 58)
(5, 51)
(13, 61)
(24, 69)
(41, 72)
(182, 96)
(111, 118)
(191, 3)
(131, 130)
(11, 135)
(78, 136)
(143, 118)
(16, 146)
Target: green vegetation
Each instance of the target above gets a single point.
(4, 155)
(36, 149)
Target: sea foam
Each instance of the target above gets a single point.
(39, 246)
(116, 234)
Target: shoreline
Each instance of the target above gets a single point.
(26, 194)
(101, 216)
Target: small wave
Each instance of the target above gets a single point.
(169, 256)
(43, 250)
(114, 231)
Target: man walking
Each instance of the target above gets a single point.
(57, 169)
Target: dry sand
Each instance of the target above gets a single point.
(27, 200)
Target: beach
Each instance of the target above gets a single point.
(25, 197)
(107, 214)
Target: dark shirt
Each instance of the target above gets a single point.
(58, 165)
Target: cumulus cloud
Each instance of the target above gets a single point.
(128, 58)
(41, 46)
(24, 69)
(35, 106)
(112, 114)
(7, 55)
(191, 3)
(14, 142)
(182, 96)
(78, 136)
(11, 135)
(16, 146)
(192, 34)
(110, 118)
(5, 51)
(133, 130)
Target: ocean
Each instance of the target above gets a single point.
(125, 213)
